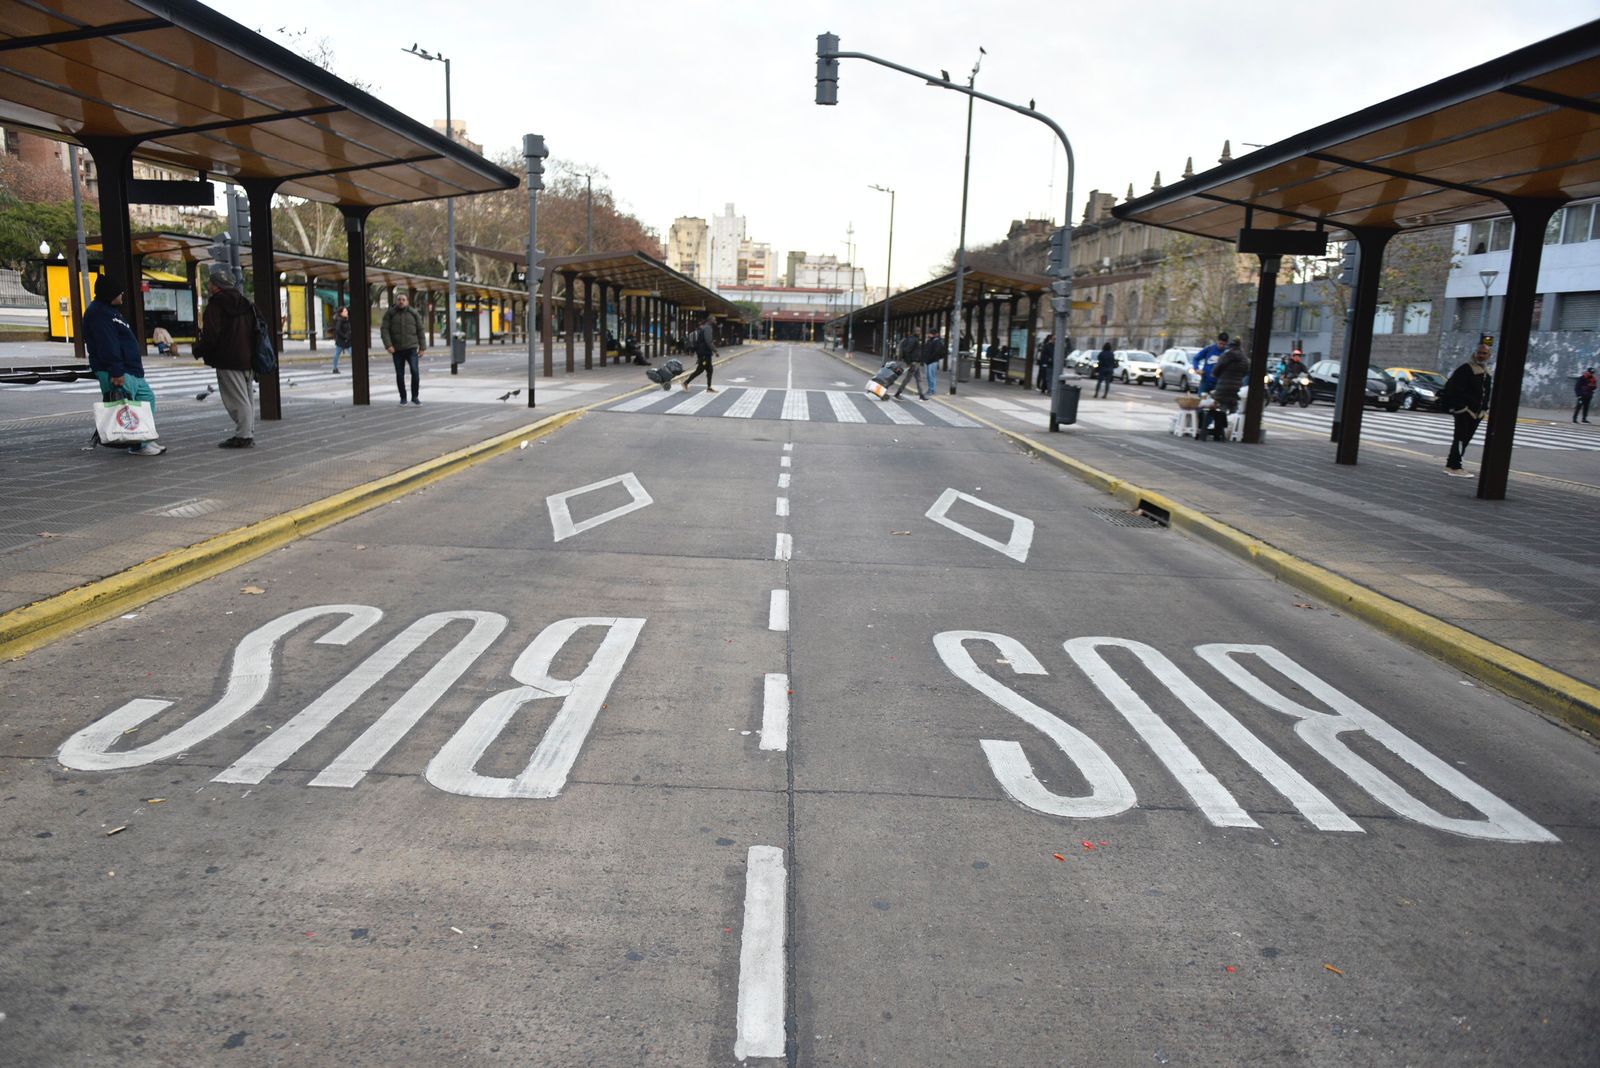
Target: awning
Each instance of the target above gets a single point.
(1526, 125)
(631, 270)
(202, 93)
(939, 294)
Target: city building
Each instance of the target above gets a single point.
(754, 264)
(688, 248)
(727, 232)
(790, 313)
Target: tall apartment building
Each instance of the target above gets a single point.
(688, 248)
(727, 232)
(754, 264)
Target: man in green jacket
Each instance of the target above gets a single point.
(405, 338)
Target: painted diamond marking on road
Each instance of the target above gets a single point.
(561, 523)
(1016, 547)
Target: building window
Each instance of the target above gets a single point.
(1478, 238)
(1383, 319)
(1310, 319)
(1500, 236)
(1552, 229)
(1418, 315)
(1575, 228)
(1578, 311)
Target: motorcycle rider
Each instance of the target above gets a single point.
(1289, 376)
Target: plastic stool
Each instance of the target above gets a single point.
(1184, 423)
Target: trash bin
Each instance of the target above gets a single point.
(1065, 409)
(458, 350)
(964, 367)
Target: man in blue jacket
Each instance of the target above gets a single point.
(1205, 361)
(114, 353)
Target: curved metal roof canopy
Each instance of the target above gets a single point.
(1526, 125)
(200, 92)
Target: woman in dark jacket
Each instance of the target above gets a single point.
(1105, 368)
(341, 336)
(1466, 396)
(1232, 366)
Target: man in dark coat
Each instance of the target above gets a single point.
(1466, 397)
(1585, 393)
(1232, 367)
(341, 336)
(114, 354)
(1105, 368)
(227, 340)
(405, 336)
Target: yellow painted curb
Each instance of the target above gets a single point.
(1568, 699)
(25, 629)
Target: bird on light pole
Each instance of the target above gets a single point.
(888, 270)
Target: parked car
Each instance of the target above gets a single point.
(1381, 391)
(1089, 363)
(1084, 361)
(1138, 366)
(1177, 369)
(1418, 388)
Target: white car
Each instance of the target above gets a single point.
(1138, 366)
(1177, 369)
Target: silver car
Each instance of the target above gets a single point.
(1177, 369)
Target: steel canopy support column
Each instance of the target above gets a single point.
(264, 276)
(113, 160)
(359, 301)
(569, 320)
(311, 311)
(588, 324)
(1033, 341)
(1358, 346)
(1260, 340)
(547, 298)
(1527, 246)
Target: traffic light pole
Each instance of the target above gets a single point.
(828, 55)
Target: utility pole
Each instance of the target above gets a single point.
(961, 245)
(534, 154)
(850, 317)
(457, 356)
(888, 271)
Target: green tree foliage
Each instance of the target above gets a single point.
(23, 225)
(1201, 282)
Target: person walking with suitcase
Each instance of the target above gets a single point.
(705, 351)
(910, 354)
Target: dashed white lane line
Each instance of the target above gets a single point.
(783, 506)
(760, 1021)
(783, 480)
(784, 549)
(788, 446)
(778, 611)
(784, 461)
(775, 713)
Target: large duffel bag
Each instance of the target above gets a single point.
(664, 374)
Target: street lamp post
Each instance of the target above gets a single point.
(1487, 277)
(534, 154)
(850, 316)
(961, 246)
(888, 271)
(449, 205)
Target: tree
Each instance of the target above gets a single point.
(23, 226)
(1415, 265)
(1200, 280)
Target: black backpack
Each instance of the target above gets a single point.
(263, 358)
(702, 347)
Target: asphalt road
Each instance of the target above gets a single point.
(740, 752)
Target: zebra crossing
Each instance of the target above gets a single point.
(177, 380)
(1434, 429)
(793, 405)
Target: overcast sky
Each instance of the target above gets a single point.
(691, 104)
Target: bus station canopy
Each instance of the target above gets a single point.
(939, 295)
(1524, 126)
(632, 271)
(199, 92)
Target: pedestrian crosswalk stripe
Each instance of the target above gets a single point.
(951, 417)
(897, 414)
(693, 404)
(795, 405)
(745, 406)
(843, 410)
(639, 403)
(1429, 428)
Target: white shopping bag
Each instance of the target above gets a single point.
(124, 422)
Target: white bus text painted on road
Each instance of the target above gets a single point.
(1110, 792)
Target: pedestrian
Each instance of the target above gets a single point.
(1047, 359)
(341, 335)
(226, 343)
(114, 355)
(910, 354)
(1105, 367)
(405, 338)
(161, 338)
(1585, 391)
(933, 350)
(1231, 368)
(1209, 355)
(705, 351)
(1466, 396)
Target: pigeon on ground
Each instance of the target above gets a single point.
(508, 396)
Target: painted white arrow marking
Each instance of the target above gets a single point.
(561, 523)
(1021, 526)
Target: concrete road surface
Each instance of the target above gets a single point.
(692, 737)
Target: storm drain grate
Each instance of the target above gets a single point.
(1121, 517)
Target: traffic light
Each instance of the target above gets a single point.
(241, 226)
(534, 153)
(827, 68)
(1349, 262)
(1057, 265)
(219, 250)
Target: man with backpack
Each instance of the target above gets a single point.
(704, 351)
(910, 354)
(226, 342)
(405, 336)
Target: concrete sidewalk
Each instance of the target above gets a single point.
(1523, 573)
(74, 514)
